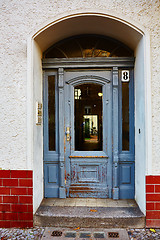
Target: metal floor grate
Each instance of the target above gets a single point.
(113, 235)
(56, 234)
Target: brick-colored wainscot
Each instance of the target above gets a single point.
(153, 201)
(16, 198)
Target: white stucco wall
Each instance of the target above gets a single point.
(19, 20)
(37, 129)
(140, 163)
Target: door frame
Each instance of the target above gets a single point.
(74, 63)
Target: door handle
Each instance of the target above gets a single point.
(68, 133)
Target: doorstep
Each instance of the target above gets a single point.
(89, 213)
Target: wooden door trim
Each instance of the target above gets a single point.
(51, 63)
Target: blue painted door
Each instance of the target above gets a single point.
(88, 133)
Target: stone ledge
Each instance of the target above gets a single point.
(87, 217)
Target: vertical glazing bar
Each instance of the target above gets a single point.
(62, 192)
(115, 134)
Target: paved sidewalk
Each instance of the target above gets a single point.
(19, 234)
(39, 233)
(138, 234)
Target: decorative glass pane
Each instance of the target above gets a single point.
(88, 100)
(51, 112)
(125, 116)
(88, 46)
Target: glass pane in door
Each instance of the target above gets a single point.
(88, 100)
(51, 112)
(125, 116)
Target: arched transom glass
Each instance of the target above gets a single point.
(88, 46)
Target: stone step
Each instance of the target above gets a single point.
(89, 217)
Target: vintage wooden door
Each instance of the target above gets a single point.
(88, 133)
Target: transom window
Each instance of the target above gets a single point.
(86, 46)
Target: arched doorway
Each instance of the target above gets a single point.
(101, 23)
(89, 118)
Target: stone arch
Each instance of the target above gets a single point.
(124, 30)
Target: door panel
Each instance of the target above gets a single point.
(88, 178)
(89, 149)
(126, 182)
(51, 177)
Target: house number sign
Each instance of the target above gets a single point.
(125, 76)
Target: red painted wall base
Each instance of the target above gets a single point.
(16, 198)
(153, 201)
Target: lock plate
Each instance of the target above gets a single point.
(68, 133)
